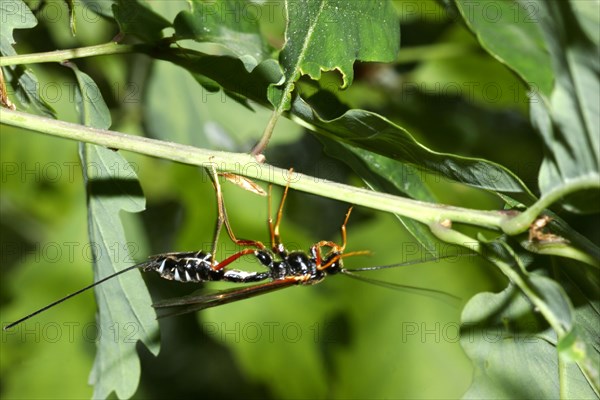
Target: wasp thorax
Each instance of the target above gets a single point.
(300, 264)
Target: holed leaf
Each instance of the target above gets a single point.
(323, 35)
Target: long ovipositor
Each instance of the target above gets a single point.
(195, 267)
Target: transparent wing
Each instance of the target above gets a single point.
(188, 304)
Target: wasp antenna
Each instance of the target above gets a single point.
(41, 310)
(402, 264)
(445, 297)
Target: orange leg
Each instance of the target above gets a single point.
(232, 258)
(338, 257)
(335, 248)
(223, 219)
(234, 239)
(221, 215)
(271, 229)
(274, 229)
(344, 228)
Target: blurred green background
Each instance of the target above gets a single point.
(339, 339)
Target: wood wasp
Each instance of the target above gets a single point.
(283, 268)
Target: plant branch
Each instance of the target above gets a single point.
(246, 165)
(62, 55)
(521, 222)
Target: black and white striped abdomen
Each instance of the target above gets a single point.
(184, 267)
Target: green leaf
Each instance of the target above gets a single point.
(514, 263)
(15, 15)
(303, 350)
(24, 84)
(588, 15)
(125, 315)
(562, 312)
(513, 351)
(547, 42)
(510, 31)
(230, 23)
(24, 87)
(89, 102)
(582, 344)
(377, 134)
(229, 73)
(324, 35)
(136, 18)
(568, 120)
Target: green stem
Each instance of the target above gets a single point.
(267, 133)
(246, 165)
(451, 236)
(561, 249)
(62, 55)
(290, 81)
(521, 222)
(563, 381)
